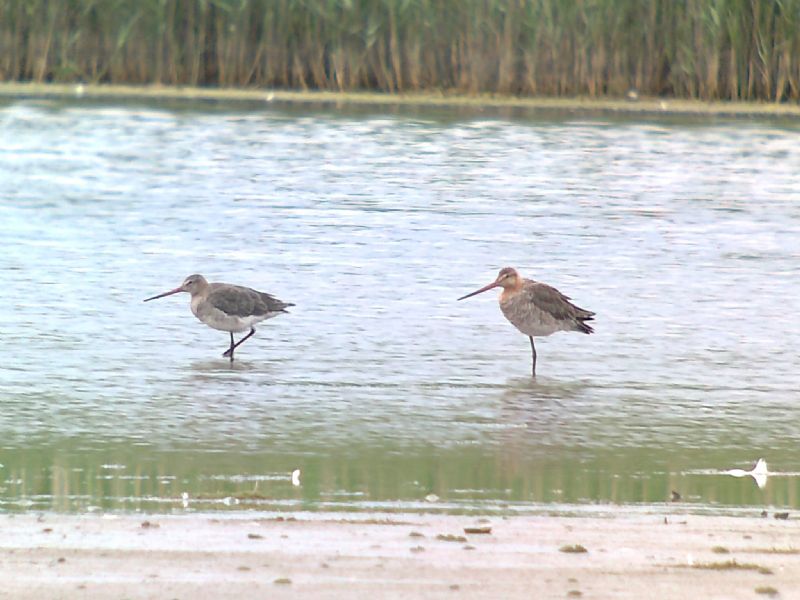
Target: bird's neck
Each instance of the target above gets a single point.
(199, 297)
(202, 292)
(511, 290)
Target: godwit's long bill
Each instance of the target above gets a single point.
(228, 307)
(535, 308)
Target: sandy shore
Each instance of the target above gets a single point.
(645, 106)
(397, 556)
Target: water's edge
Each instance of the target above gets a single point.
(641, 107)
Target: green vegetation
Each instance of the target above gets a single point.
(706, 49)
(732, 565)
(776, 551)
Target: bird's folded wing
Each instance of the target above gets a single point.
(550, 300)
(236, 301)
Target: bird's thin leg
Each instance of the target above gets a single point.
(229, 352)
(239, 343)
(533, 354)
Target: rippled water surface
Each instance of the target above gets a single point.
(379, 387)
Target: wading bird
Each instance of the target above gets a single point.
(535, 308)
(228, 307)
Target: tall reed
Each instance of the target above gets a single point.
(707, 49)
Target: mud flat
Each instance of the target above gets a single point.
(313, 555)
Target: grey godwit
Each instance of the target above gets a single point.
(227, 307)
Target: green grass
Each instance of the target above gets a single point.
(703, 49)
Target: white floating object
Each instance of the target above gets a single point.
(228, 501)
(689, 560)
(759, 473)
(296, 477)
(432, 498)
(185, 499)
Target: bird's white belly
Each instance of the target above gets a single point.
(217, 319)
(233, 324)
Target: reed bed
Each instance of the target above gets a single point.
(699, 49)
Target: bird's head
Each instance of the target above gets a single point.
(193, 284)
(507, 278)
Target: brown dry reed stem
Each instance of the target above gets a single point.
(696, 49)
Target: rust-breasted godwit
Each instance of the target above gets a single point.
(535, 308)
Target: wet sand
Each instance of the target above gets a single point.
(238, 555)
(642, 106)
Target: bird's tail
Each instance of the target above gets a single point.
(582, 326)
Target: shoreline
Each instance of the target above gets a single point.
(642, 106)
(394, 555)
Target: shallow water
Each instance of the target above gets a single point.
(379, 386)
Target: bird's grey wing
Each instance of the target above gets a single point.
(550, 300)
(243, 301)
(272, 304)
(235, 301)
